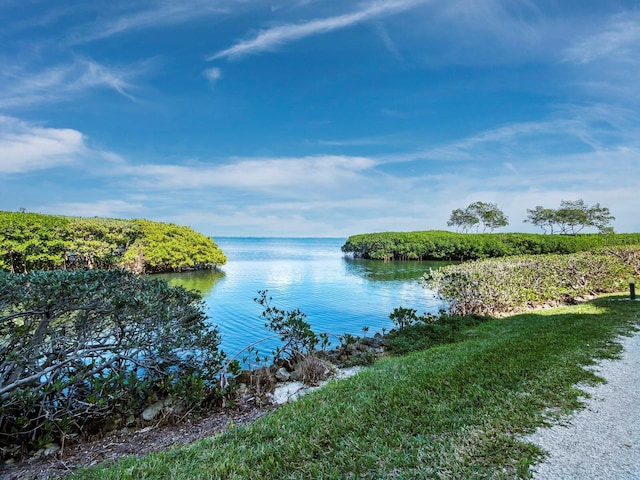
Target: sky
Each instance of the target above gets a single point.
(318, 117)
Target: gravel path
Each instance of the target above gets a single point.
(601, 441)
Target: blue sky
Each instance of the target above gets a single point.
(318, 117)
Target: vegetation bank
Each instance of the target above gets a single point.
(443, 245)
(33, 241)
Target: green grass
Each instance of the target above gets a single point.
(452, 411)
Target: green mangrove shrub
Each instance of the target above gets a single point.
(442, 245)
(295, 333)
(82, 349)
(629, 255)
(163, 247)
(32, 241)
(492, 286)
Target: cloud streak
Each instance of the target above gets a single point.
(19, 88)
(270, 39)
(160, 14)
(323, 171)
(617, 42)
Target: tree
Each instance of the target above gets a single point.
(462, 220)
(168, 247)
(488, 214)
(541, 217)
(31, 241)
(571, 218)
(80, 348)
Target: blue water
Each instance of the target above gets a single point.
(338, 294)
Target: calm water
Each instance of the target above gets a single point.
(338, 294)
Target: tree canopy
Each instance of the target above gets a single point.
(81, 348)
(572, 217)
(487, 214)
(32, 241)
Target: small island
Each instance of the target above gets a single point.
(34, 241)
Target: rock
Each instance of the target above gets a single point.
(51, 450)
(113, 423)
(153, 410)
(296, 375)
(243, 389)
(282, 375)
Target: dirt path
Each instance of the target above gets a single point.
(601, 441)
(139, 443)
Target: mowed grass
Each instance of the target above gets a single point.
(453, 411)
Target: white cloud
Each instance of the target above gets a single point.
(20, 88)
(272, 38)
(213, 75)
(25, 147)
(101, 208)
(168, 12)
(618, 42)
(607, 62)
(595, 128)
(259, 174)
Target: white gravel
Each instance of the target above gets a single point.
(291, 391)
(601, 441)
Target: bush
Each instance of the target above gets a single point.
(32, 241)
(441, 245)
(82, 349)
(487, 287)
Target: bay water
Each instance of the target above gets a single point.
(338, 294)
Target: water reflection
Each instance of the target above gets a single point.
(379, 271)
(338, 294)
(201, 281)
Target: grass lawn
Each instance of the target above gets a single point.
(451, 411)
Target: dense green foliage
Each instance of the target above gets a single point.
(165, 247)
(453, 411)
(81, 349)
(441, 245)
(32, 241)
(494, 286)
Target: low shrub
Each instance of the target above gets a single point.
(79, 350)
(442, 245)
(493, 286)
(34, 241)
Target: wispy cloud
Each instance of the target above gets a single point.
(212, 75)
(607, 62)
(25, 148)
(101, 208)
(20, 88)
(272, 38)
(618, 41)
(168, 12)
(596, 127)
(256, 174)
